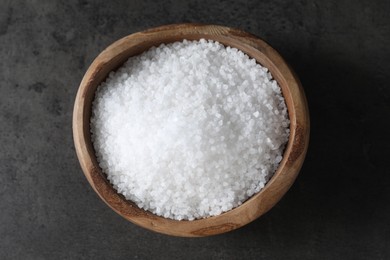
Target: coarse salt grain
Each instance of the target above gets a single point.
(190, 129)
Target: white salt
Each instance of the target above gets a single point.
(190, 129)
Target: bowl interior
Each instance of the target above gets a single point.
(116, 54)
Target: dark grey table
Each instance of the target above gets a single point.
(339, 207)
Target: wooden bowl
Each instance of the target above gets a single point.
(117, 53)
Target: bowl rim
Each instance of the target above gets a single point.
(251, 209)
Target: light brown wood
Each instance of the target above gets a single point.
(117, 53)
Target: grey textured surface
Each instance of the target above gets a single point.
(339, 207)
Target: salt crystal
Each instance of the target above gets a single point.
(190, 129)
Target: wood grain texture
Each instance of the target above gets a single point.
(117, 53)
